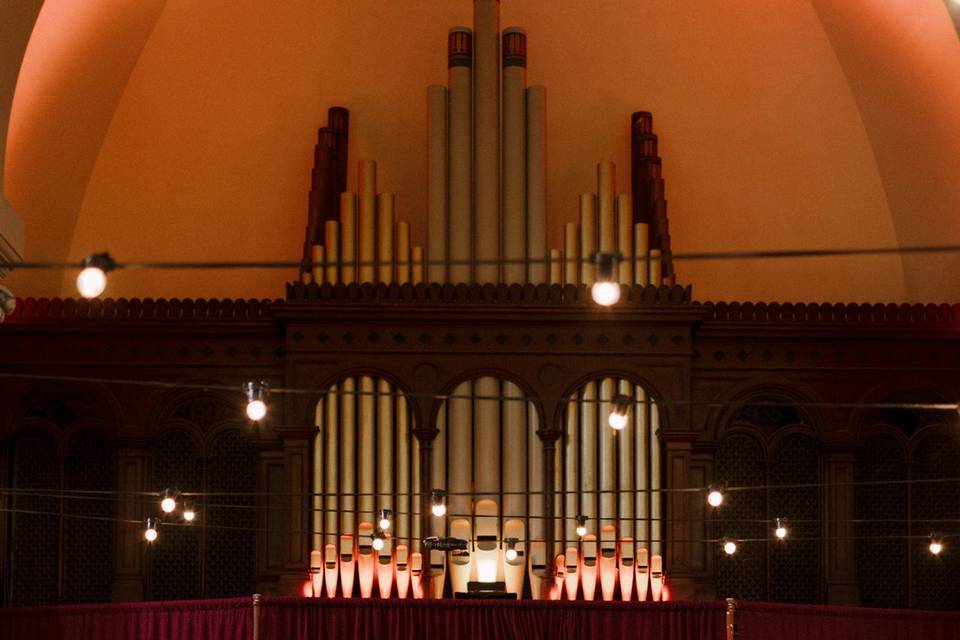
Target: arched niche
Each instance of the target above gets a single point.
(488, 458)
(768, 438)
(365, 459)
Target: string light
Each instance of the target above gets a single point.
(150, 533)
(581, 526)
(378, 540)
(168, 501)
(936, 545)
(385, 519)
(256, 395)
(93, 277)
(781, 530)
(714, 496)
(729, 546)
(618, 415)
(189, 513)
(439, 507)
(605, 291)
(511, 553)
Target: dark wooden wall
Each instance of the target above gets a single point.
(710, 366)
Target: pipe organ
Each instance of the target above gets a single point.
(486, 223)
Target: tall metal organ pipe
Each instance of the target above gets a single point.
(460, 148)
(486, 138)
(514, 222)
(537, 184)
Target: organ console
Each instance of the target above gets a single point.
(486, 202)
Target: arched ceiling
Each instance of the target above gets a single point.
(173, 129)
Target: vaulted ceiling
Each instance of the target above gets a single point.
(175, 129)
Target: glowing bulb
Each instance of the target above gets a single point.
(168, 501)
(377, 543)
(189, 514)
(93, 278)
(91, 282)
(511, 554)
(150, 533)
(781, 530)
(384, 519)
(729, 547)
(936, 547)
(581, 526)
(256, 396)
(715, 498)
(618, 415)
(439, 507)
(605, 293)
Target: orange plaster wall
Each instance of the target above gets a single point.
(207, 149)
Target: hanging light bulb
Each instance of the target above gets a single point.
(781, 530)
(729, 546)
(618, 415)
(936, 545)
(439, 507)
(378, 540)
(168, 501)
(606, 290)
(93, 278)
(511, 553)
(189, 513)
(256, 395)
(714, 496)
(385, 518)
(150, 533)
(581, 526)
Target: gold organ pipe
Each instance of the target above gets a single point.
(460, 149)
(386, 208)
(656, 577)
(537, 185)
(367, 178)
(384, 447)
(588, 566)
(405, 481)
(403, 253)
(486, 138)
(643, 573)
(588, 237)
(316, 256)
(656, 524)
(534, 464)
(437, 221)
(608, 561)
(588, 452)
(488, 450)
(641, 249)
(626, 560)
(318, 477)
(366, 559)
(348, 236)
(332, 250)
(606, 193)
(348, 449)
(367, 451)
(608, 454)
(403, 571)
(385, 568)
(642, 468)
(514, 158)
(331, 428)
(627, 440)
(571, 473)
(625, 238)
(438, 467)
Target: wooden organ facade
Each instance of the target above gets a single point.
(478, 365)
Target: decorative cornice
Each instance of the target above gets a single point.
(837, 313)
(142, 309)
(477, 294)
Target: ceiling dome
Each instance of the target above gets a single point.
(185, 130)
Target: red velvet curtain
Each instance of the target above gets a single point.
(174, 620)
(759, 621)
(322, 619)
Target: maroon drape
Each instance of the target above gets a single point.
(760, 621)
(322, 619)
(175, 620)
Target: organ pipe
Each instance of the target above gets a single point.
(487, 547)
(366, 559)
(437, 220)
(348, 236)
(656, 524)
(367, 451)
(608, 454)
(641, 248)
(571, 581)
(538, 569)
(625, 238)
(317, 501)
(332, 250)
(385, 568)
(534, 466)
(316, 573)
(588, 566)
(588, 236)
(386, 206)
(571, 253)
(367, 187)
(537, 185)
(402, 571)
(331, 428)
(330, 569)
(347, 465)
(316, 257)
(460, 559)
(588, 452)
(486, 138)
(384, 446)
(606, 189)
(514, 223)
(347, 563)
(460, 159)
(626, 573)
(643, 573)
(416, 575)
(571, 474)
(406, 483)
(403, 252)
(642, 468)
(608, 561)
(487, 438)
(656, 577)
